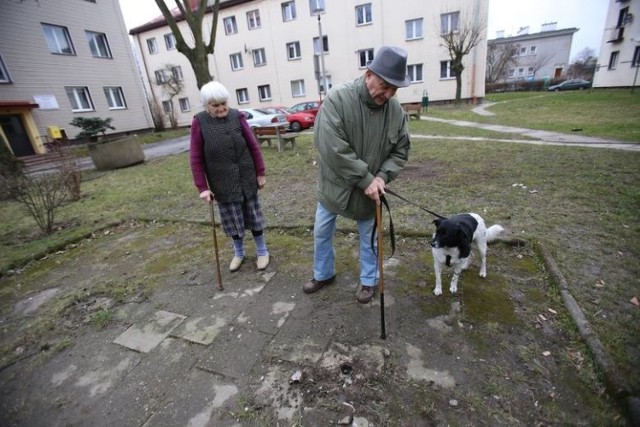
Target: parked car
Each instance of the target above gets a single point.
(297, 120)
(311, 107)
(257, 117)
(571, 84)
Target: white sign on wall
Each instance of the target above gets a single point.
(46, 102)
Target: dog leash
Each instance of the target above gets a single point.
(392, 235)
(393, 193)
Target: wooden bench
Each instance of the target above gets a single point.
(412, 110)
(279, 133)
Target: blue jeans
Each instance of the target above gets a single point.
(324, 254)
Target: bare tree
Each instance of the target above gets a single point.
(173, 84)
(538, 62)
(193, 12)
(500, 58)
(584, 65)
(459, 43)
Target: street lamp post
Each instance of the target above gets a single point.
(323, 77)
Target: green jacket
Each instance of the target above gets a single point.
(357, 140)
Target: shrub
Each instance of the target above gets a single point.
(92, 126)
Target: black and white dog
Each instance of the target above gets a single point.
(451, 245)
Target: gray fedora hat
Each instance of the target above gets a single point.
(390, 64)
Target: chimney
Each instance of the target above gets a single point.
(523, 31)
(548, 26)
(499, 34)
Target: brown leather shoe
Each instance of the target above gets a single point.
(366, 293)
(314, 285)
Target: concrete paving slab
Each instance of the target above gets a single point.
(147, 337)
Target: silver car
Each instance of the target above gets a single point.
(257, 117)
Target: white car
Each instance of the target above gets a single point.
(257, 117)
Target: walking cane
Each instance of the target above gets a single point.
(383, 333)
(215, 246)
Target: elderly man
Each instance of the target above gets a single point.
(363, 142)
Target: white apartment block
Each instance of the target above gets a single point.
(537, 56)
(65, 58)
(265, 50)
(619, 59)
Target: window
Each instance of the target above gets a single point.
(532, 50)
(613, 60)
(242, 95)
(293, 50)
(230, 26)
(512, 72)
(520, 71)
(321, 83)
(415, 72)
(98, 44)
(253, 19)
(445, 70)
(184, 105)
(259, 57)
(635, 62)
(365, 57)
(316, 45)
(363, 14)
(449, 22)
(170, 41)
(160, 77)
(289, 11)
(297, 88)
(236, 61)
(177, 73)
(115, 98)
(79, 98)
(167, 107)
(316, 6)
(4, 74)
(530, 71)
(58, 39)
(265, 92)
(414, 29)
(152, 45)
(523, 51)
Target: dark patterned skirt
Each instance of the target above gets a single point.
(236, 217)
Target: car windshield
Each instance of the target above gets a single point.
(263, 111)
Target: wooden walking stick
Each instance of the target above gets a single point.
(383, 333)
(215, 246)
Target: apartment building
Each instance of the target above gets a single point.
(619, 59)
(535, 56)
(279, 52)
(60, 59)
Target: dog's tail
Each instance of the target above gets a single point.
(493, 232)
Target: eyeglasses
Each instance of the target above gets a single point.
(222, 104)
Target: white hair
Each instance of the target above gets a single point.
(213, 91)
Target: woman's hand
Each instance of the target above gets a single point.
(262, 180)
(207, 196)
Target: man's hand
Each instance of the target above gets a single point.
(262, 180)
(374, 189)
(207, 196)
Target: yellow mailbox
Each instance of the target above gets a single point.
(54, 132)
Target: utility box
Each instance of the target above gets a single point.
(425, 100)
(54, 132)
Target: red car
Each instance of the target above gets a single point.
(307, 107)
(297, 120)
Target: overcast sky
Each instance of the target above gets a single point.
(507, 15)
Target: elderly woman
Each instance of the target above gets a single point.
(227, 165)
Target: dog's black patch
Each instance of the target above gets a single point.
(456, 231)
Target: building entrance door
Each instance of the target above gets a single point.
(17, 135)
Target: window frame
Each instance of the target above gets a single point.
(5, 76)
(76, 106)
(414, 26)
(316, 6)
(253, 20)
(152, 41)
(170, 41)
(185, 105)
(298, 52)
(450, 74)
(50, 42)
(237, 62)
(94, 37)
(176, 72)
(242, 96)
(169, 104)
(325, 44)
(301, 86)
(415, 72)
(259, 54)
(163, 78)
(233, 28)
(112, 93)
(264, 93)
(364, 12)
(635, 60)
(450, 22)
(289, 12)
(613, 60)
(363, 54)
